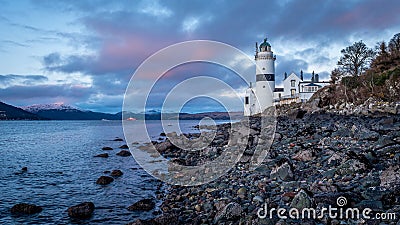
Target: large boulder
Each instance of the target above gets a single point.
(104, 180)
(143, 205)
(24, 208)
(81, 211)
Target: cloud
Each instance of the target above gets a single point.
(154, 8)
(18, 44)
(10, 79)
(114, 38)
(190, 24)
(19, 92)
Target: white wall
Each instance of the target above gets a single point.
(287, 84)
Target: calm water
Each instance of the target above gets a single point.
(62, 170)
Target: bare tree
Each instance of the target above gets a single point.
(355, 58)
(394, 44)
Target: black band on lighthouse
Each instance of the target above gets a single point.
(265, 77)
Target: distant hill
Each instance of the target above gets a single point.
(59, 111)
(9, 112)
(181, 116)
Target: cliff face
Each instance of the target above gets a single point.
(369, 94)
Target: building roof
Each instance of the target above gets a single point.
(312, 84)
(264, 45)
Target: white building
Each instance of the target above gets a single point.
(264, 95)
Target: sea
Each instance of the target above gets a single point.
(62, 170)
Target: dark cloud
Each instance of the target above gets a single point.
(122, 46)
(38, 91)
(70, 64)
(330, 20)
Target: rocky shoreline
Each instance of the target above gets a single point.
(315, 158)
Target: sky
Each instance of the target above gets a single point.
(84, 53)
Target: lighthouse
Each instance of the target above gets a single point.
(265, 81)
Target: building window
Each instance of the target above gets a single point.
(246, 100)
(293, 83)
(263, 86)
(292, 92)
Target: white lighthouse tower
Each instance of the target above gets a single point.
(265, 81)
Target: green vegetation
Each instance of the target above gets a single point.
(363, 73)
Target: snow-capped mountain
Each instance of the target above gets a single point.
(59, 111)
(44, 107)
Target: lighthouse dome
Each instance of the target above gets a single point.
(265, 46)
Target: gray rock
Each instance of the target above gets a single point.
(383, 142)
(232, 211)
(116, 173)
(81, 211)
(124, 153)
(304, 155)
(369, 135)
(283, 172)
(258, 199)
(124, 147)
(103, 155)
(104, 180)
(342, 132)
(390, 178)
(142, 205)
(24, 208)
(301, 200)
(163, 146)
(350, 167)
(165, 219)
